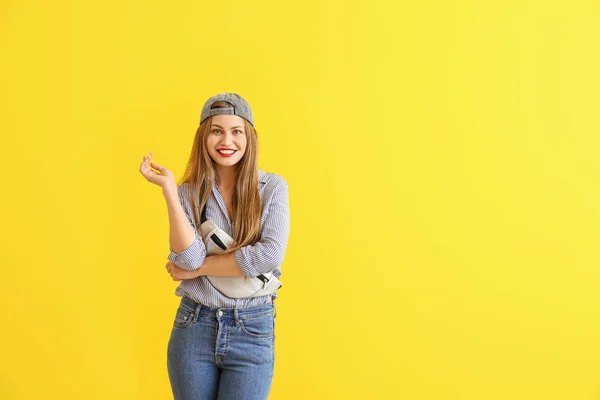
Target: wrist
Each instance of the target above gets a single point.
(169, 190)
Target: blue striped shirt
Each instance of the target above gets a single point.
(266, 255)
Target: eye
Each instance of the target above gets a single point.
(215, 130)
(237, 130)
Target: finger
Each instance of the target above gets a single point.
(147, 172)
(157, 166)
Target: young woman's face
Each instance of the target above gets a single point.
(226, 132)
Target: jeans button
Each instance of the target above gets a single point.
(220, 313)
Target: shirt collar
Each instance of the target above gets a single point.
(262, 176)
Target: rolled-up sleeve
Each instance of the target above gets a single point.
(268, 253)
(193, 257)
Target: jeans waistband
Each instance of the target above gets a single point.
(224, 312)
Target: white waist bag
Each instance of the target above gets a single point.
(234, 286)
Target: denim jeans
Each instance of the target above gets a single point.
(221, 353)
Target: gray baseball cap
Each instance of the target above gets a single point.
(240, 107)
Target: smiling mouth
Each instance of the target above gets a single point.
(226, 154)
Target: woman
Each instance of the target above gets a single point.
(222, 346)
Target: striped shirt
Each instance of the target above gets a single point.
(266, 255)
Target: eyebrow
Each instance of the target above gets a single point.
(224, 128)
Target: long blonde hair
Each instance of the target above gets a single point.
(200, 174)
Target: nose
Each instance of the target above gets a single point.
(226, 139)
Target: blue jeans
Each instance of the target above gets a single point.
(221, 353)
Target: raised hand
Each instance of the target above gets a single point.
(162, 178)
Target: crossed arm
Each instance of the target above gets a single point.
(216, 265)
(191, 261)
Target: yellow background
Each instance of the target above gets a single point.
(442, 160)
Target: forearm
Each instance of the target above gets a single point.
(220, 265)
(181, 233)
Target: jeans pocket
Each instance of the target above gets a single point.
(259, 327)
(183, 318)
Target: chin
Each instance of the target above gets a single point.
(227, 163)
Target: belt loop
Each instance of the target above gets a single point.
(274, 309)
(236, 317)
(197, 312)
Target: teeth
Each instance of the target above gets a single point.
(226, 151)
